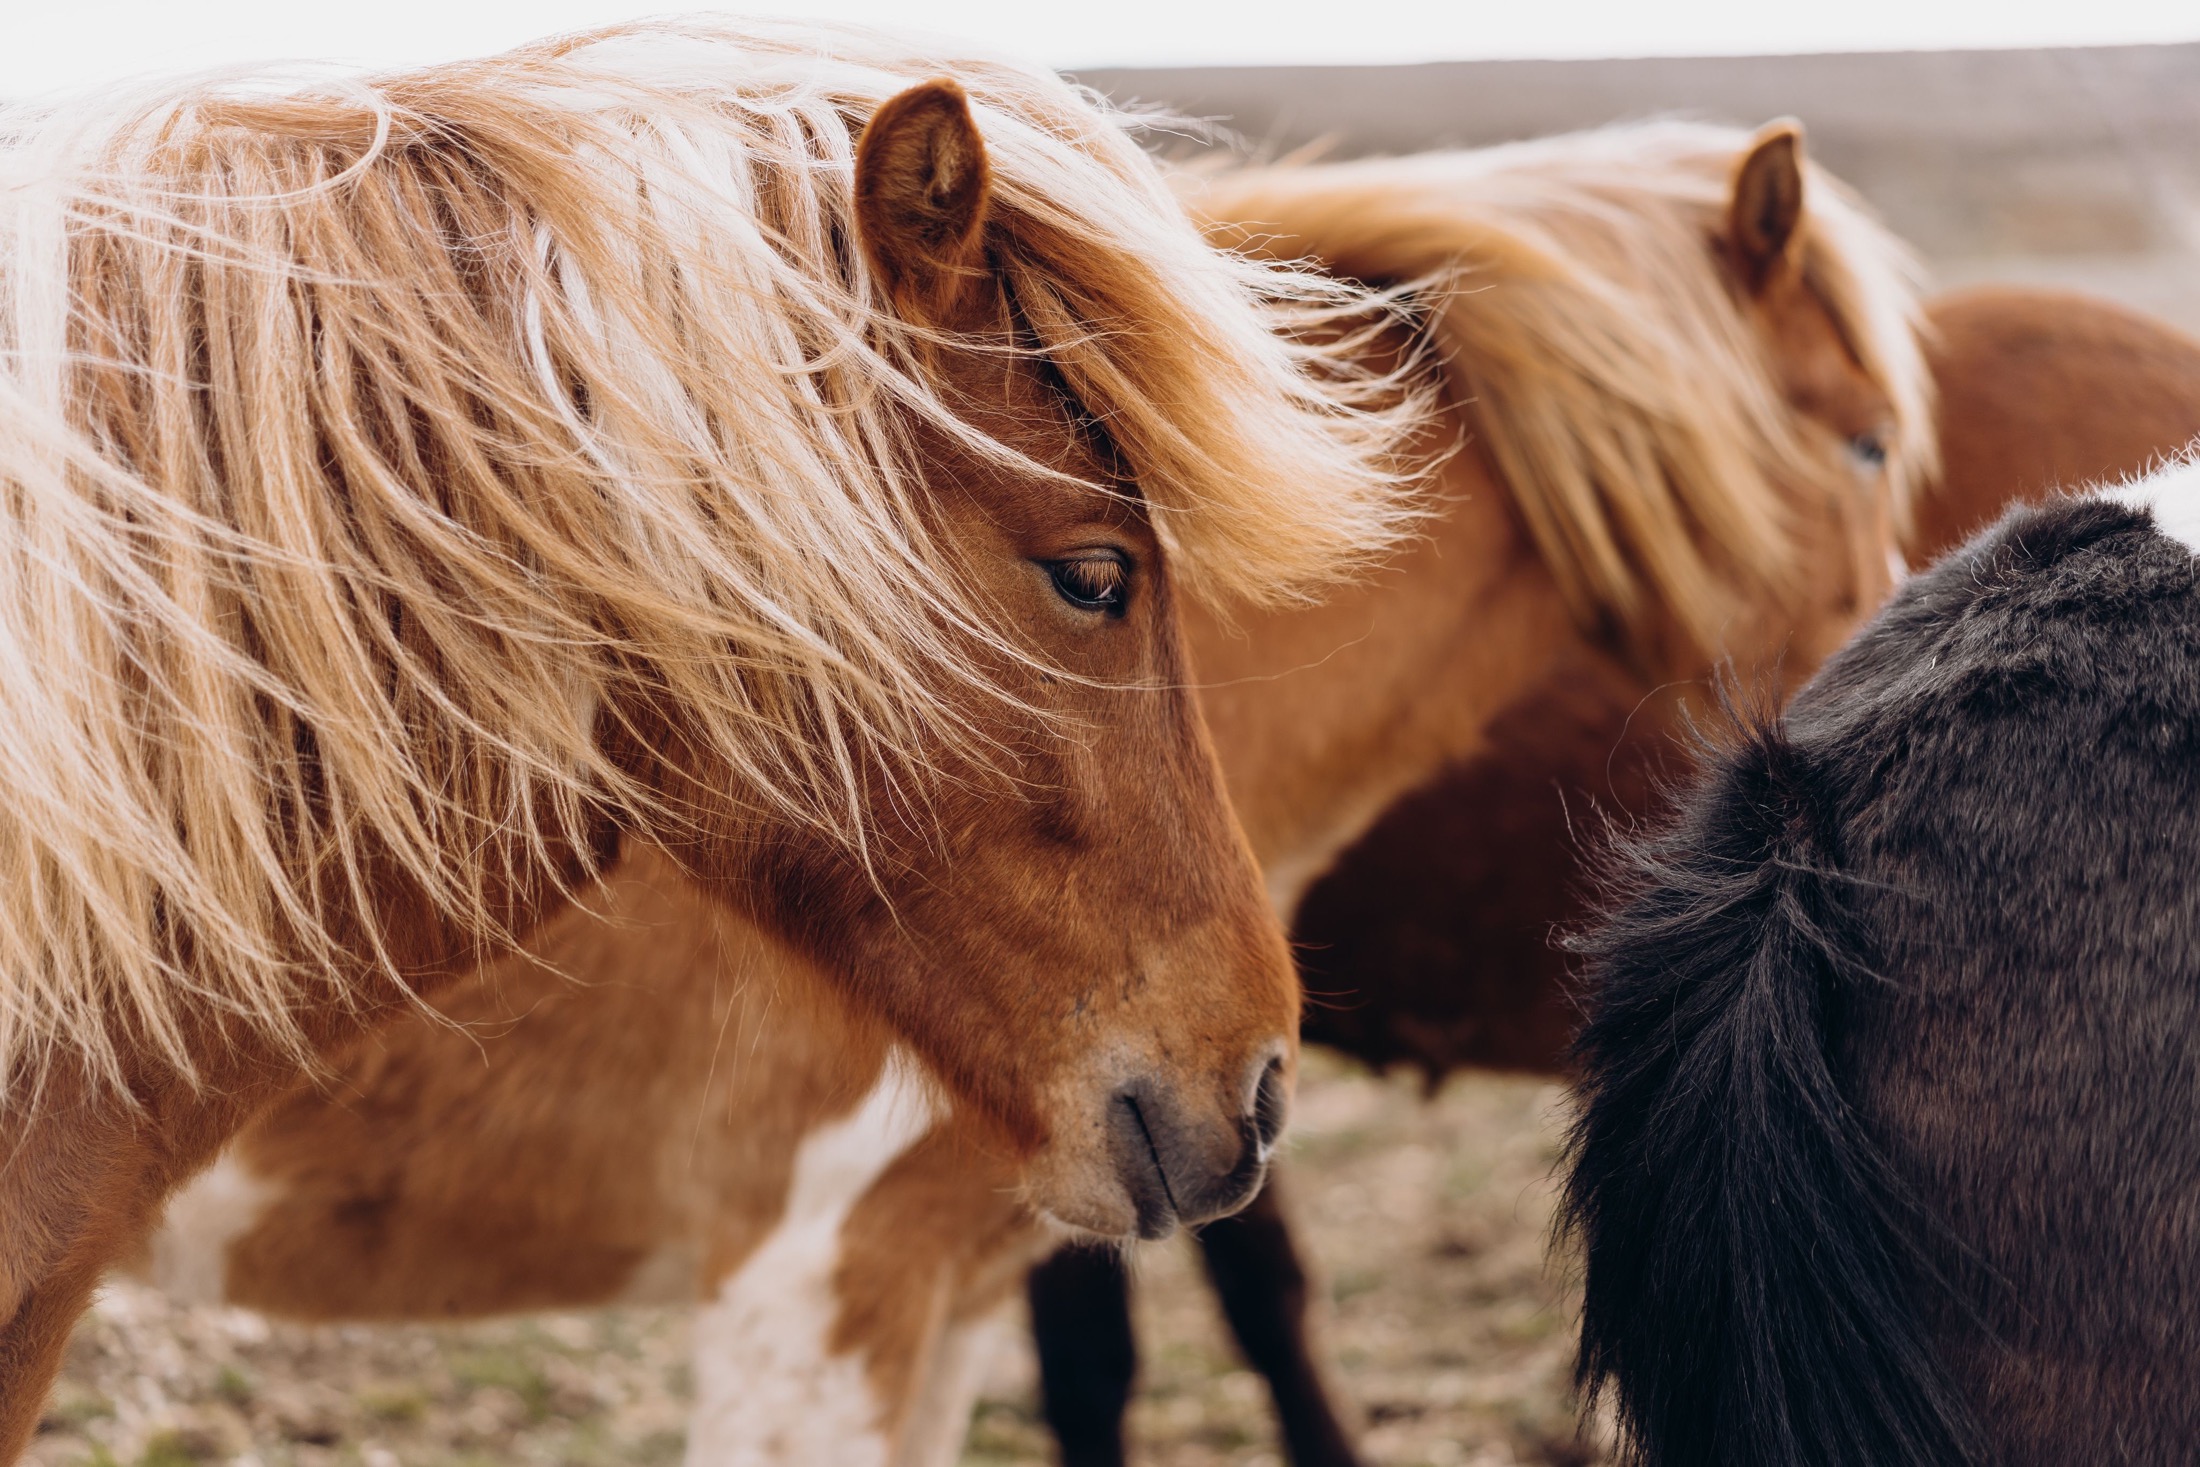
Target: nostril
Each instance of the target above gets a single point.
(1269, 1106)
(1139, 1163)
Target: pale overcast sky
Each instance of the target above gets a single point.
(53, 44)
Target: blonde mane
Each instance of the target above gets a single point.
(364, 440)
(1591, 331)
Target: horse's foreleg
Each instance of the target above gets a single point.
(1088, 1357)
(81, 1182)
(1257, 1271)
(31, 1346)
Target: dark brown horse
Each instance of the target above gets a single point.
(1888, 1146)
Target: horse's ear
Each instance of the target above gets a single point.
(922, 187)
(1767, 207)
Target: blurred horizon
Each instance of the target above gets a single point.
(60, 47)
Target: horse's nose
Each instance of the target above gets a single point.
(1182, 1166)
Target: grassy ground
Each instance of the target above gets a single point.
(1448, 1326)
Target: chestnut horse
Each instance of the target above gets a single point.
(1690, 403)
(418, 486)
(2042, 390)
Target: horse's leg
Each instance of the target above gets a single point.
(66, 1209)
(993, 1243)
(31, 1347)
(936, 1420)
(1256, 1270)
(1088, 1357)
(82, 1179)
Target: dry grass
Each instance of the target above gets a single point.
(1450, 1330)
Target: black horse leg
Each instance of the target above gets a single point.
(1081, 1320)
(1255, 1266)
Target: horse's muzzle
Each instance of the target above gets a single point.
(1179, 1167)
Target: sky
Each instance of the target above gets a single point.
(67, 44)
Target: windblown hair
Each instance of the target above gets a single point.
(1611, 374)
(364, 439)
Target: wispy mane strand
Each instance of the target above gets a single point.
(363, 442)
(1597, 344)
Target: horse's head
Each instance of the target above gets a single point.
(1848, 424)
(1057, 910)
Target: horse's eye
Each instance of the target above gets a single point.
(1093, 580)
(1869, 451)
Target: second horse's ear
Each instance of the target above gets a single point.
(1767, 207)
(922, 189)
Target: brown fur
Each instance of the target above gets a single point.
(1764, 219)
(927, 183)
(1430, 943)
(1017, 859)
(1323, 717)
(1607, 339)
(2046, 388)
(676, 987)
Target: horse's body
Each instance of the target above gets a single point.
(1322, 717)
(2044, 390)
(1891, 1143)
(417, 489)
(680, 1110)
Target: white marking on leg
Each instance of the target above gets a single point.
(938, 1422)
(769, 1391)
(2171, 495)
(190, 1253)
(667, 1276)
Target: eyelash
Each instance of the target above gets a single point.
(1098, 582)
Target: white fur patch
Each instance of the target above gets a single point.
(2171, 495)
(190, 1252)
(769, 1392)
(938, 1421)
(667, 1276)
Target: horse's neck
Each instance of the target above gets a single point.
(1324, 716)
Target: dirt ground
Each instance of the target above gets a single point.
(1449, 1327)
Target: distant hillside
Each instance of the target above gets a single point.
(2070, 165)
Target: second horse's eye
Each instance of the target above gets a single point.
(1869, 451)
(1098, 580)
